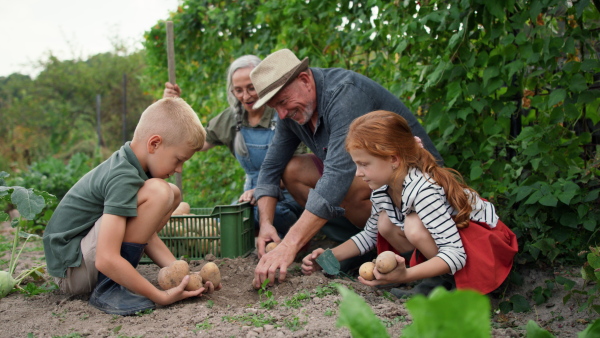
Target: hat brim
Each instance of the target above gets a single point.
(302, 66)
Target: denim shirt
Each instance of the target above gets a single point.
(342, 95)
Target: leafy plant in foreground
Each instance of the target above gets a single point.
(459, 313)
(29, 203)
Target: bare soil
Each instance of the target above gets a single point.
(228, 312)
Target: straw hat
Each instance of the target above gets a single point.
(274, 72)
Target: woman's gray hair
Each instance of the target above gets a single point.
(246, 61)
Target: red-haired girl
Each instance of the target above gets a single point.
(420, 206)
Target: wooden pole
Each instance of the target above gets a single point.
(171, 64)
(125, 138)
(98, 121)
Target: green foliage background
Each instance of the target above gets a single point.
(54, 114)
(508, 91)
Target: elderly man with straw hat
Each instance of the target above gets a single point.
(315, 106)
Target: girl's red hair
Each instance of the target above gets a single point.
(384, 134)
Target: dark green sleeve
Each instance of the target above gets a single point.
(220, 130)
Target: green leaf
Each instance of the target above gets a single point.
(548, 200)
(556, 96)
(523, 192)
(489, 73)
(589, 224)
(476, 171)
(520, 303)
(460, 313)
(28, 203)
(592, 196)
(534, 198)
(453, 93)
(478, 105)
(570, 189)
(435, 76)
(567, 283)
(505, 306)
(578, 83)
(534, 331)
(495, 8)
(357, 316)
(591, 331)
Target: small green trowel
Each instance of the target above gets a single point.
(329, 263)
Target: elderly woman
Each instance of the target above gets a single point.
(247, 132)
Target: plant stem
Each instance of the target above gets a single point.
(13, 260)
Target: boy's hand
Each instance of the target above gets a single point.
(171, 90)
(209, 287)
(178, 293)
(309, 263)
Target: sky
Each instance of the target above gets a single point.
(72, 29)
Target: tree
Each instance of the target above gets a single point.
(508, 90)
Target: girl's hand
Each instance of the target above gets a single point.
(248, 196)
(398, 275)
(309, 263)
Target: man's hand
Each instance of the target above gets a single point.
(171, 90)
(267, 234)
(248, 196)
(398, 275)
(278, 259)
(309, 263)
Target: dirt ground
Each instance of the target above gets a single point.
(237, 311)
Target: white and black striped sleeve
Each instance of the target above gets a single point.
(429, 201)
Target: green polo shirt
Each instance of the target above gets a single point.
(110, 188)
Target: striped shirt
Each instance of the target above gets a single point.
(422, 195)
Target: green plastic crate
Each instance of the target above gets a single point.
(224, 231)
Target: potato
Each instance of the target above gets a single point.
(182, 209)
(195, 282)
(270, 246)
(210, 245)
(193, 241)
(172, 275)
(210, 273)
(386, 262)
(366, 270)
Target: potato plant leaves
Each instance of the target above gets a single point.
(356, 315)
(461, 313)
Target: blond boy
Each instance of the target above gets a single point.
(111, 216)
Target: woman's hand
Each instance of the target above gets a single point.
(171, 90)
(398, 275)
(309, 263)
(248, 196)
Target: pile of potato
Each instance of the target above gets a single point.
(385, 262)
(172, 275)
(201, 227)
